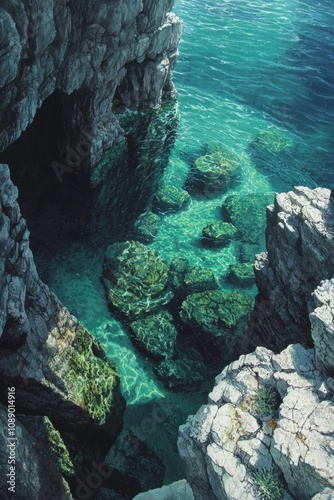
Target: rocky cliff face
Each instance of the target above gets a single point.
(268, 426)
(97, 53)
(300, 233)
(56, 367)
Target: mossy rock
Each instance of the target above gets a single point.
(241, 274)
(156, 334)
(248, 214)
(217, 320)
(146, 227)
(181, 374)
(272, 141)
(216, 312)
(186, 279)
(218, 234)
(170, 199)
(136, 279)
(214, 173)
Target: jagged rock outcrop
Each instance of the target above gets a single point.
(300, 253)
(31, 457)
(226, 442)
(271, 416)
(95, 53)
(57, 368)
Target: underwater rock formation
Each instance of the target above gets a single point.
(185, 279)
(241, 274)
(218, 320)
(170, 199)
(136, 279)
(218, 234)
(300, 244)
(97, 53)
(146, 227)
(247, 214)
(214, 173)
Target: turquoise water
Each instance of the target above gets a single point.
(244, 68)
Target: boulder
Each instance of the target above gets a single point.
(146, 227)
(218, 234)
(248, 214)
(241, 274)
(214, 173)
(185, 279)
(135, 278)
(156, 334)
(170, 199)
(182, 374)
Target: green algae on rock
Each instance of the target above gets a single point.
(182, 374)
(156, 334)
(248, 214)
(272, 141)
(218, 320)
(170, 199)
(136, 279)
(146, 227)
(218, 234)
(241, 274)
(185, 279)
(214, 173)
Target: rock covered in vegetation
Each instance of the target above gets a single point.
(170, 199)
(241, 274)
(136, 279)
(218, 234)
(156, 334)
(186, 279)
(214, 173)
(227, 446)
(248, 214)
(183, 374)
(218, 320)
(146, 227)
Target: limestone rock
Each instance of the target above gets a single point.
(96, 52)
(241, 274)
(218, 234)
(31, 457)
(135, 278)
(43, 349)
(300, 244)
(225, 443)
(179, 489)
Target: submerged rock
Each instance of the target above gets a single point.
(185, 279)
(248, 214)
(271, 142)
(218, 319)
(241, 274)
(135, 278)
(214, 173)
(146, 227)
(156, 334)
(248, 251)
(218, 234)
(182, 374)
(170, 199)
(178, 490)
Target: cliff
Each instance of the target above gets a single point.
(97, 57)
(268, 425)
(96, 53)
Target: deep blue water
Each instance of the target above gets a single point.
(245, 67)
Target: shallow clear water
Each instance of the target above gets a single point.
(244, 67)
